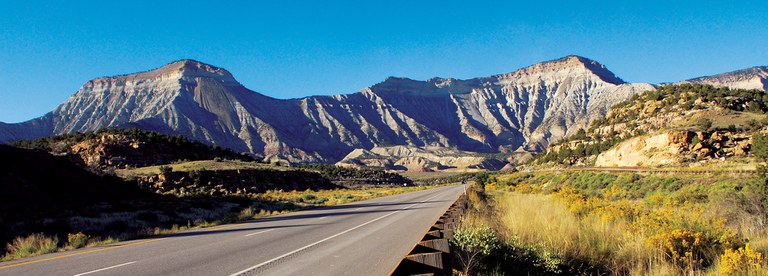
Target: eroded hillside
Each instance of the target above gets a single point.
(673, 125)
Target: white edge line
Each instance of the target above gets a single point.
(260, 232)
(111, 267)
(328, 238)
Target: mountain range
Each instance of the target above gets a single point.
(519, 111)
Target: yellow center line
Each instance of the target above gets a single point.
(220, 227)
(79, 253)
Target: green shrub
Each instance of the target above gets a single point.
(703, 124)
(318, 201)
(165, 169)
(471, 244)
(307, 197)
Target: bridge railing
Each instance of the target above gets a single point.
(432, 255)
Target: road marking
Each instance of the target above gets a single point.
(328, 238)
(323, 217)
(358, 209)
(79, 253)
(111, 267)
(220, 227)
(260, 232)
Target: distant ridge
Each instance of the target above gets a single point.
(750, 78)
(523, 110)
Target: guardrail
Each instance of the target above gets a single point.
(432, 255)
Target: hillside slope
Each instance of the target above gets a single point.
(674, 125)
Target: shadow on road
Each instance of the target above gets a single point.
(208, 231)
(340, 210)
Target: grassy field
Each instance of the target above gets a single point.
(210, 165)
(623, 224)
(334, 197)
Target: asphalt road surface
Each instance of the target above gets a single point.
(361, 238)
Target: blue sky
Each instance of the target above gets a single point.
(290, 49)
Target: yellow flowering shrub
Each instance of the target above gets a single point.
(663, 224)
(685, 248)
(77, 240)
(743, 261)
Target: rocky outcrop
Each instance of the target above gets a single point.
(419, 159)
(751, 78)
(675, 148)
(118, 149)
(522, 110)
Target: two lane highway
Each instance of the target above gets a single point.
(362, 238)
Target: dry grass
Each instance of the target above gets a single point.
(699, 225)
(32, 245)
(551, 226)
(588, 243)
(334, 197)
(719, 118)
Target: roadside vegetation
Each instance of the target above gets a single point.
(677, 222)
(622, 224)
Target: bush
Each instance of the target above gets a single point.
(704, 124)
(760, 147)
(32, 245)
(165, 169)
(743, 261)
(471, 244)
(689, 250)
(318, 201)
(77, 240)
(307, 197)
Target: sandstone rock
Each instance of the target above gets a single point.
(697, 147)
(682, 137)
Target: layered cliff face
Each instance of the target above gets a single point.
(750, 78)
(522, 110)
